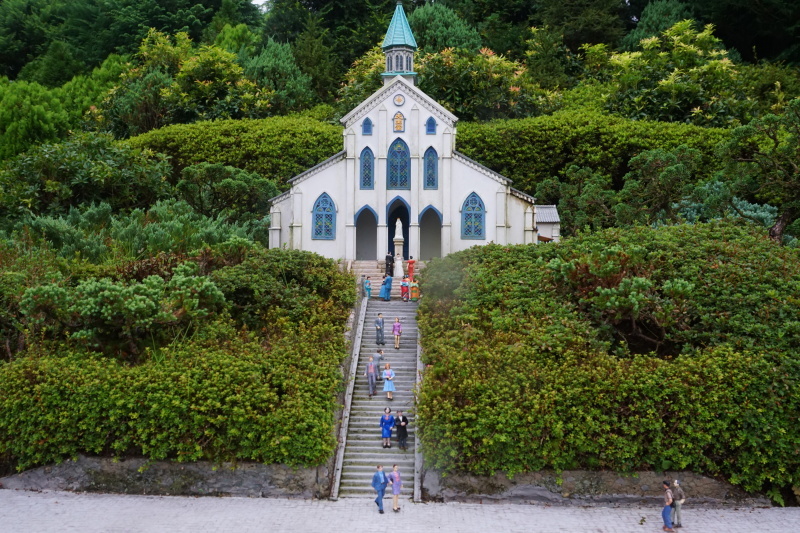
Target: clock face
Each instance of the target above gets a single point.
(399, 99)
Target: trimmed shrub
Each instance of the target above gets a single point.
(275, 148)
(664, 349)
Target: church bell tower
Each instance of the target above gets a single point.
(399, 46)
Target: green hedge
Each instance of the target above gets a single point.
(223, 398)
(537, 359)
(275, 148)
(530, 150)
(525, 150)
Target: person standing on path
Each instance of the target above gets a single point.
(386, 288)
(368, 288)
(401, 423)
(379, 482)
(397, 330)
(397, 484)
(379, 340)
(410, 267)
(389, 263)
(372, 375)
(680, 497)
(387, 423)
(665, 512)
(388, 382)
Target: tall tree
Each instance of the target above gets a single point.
(658, 16)
(437, 27)
(585, 21)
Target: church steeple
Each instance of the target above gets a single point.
(399, 46)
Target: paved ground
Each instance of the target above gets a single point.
(32, 512)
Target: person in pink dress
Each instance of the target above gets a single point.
(397, 484)
(397, 330)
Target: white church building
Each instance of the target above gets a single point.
(399, 162)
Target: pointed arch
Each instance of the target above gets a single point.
(473, 218)
(367, 169)
(390, 204)
(323, 225)
(366, 127)
(430, 208)
(398, 166)
(430, 126)
(367, 208)
(431, 169)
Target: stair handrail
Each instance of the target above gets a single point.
(348, 401)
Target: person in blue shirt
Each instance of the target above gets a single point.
(368, 287)
(379, 482)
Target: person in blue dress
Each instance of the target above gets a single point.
(386, 288)
(387, 423)
(388, 383)
(379, 482)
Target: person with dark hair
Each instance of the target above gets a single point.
(667, 510)
(410, 268)
(379, 482)
(401, 424)
(371, 373)
(387, 423)
(389, 263)
(388, 383)
(367, 288)
(379, 330)
(386, 288)
(397, 484)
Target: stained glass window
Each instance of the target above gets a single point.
(431, 169)
(430, 126)
(473, 215)
(367, 169)
(399, 122)
(366, 127)
(324, 218)
(398, 169)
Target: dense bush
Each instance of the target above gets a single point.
(218, 397)
(664, 349)
(530, 150)
(275, 148)
(163, 365)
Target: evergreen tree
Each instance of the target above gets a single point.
(585, 21)
(275, 68)
(316, 58)
(657, 17)
(437, 27)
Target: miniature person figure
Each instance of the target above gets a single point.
(414, 288)
(388, 385)
(397, 330)
(386, 288)
(387, 423)
(397, 484)
(411, 264)
(371, 372)
(680, 497)
(666, 511)
(379, 361)
(389, 263)
(401, 424)
(379, 340)
(368, 287)
(404, 289)
(379, 482)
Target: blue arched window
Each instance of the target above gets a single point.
(430, 126)
(366, 127)
(431, 169)
(398, 166)
(367, 169)
(473, 218)
(324, 218)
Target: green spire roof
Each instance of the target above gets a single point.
(399, 33)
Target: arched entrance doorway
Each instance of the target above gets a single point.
(366, 234)
(430, 234)
(398, 209)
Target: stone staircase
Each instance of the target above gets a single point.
(375, 270)
(364, 451)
